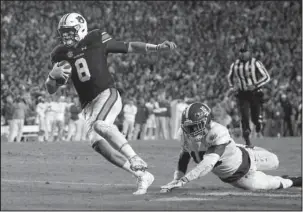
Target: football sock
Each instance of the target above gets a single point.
(116, 139)
(126, 167)
(127, 150)
(112, 155)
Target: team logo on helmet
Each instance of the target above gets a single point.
(70, 54)
(204, 110)
(199, 114)
(80, 19)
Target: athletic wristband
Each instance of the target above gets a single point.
(151, 47)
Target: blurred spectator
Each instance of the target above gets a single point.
(221, 116)
(204, 31)
(179, 107)
(41, 112)
(16, 128)
(58, 124)
(129, 111)
(287, 115)
(140, 120)
(50, 117)
(151, 125)
(162, 115)
(75, 124)
(274, 120)
(298, 121)
(8, 110)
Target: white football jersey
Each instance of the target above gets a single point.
(230, 160)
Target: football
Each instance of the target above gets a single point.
(67, 69)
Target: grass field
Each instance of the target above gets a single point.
(71, 176)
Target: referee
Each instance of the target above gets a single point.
(250, 75)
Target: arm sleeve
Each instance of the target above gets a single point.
(184, 159)
(204, 167)
(113, 46)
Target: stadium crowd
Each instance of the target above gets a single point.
(207, 34)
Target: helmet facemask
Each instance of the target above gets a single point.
(195, 121)
(196, 130)
(69, 36)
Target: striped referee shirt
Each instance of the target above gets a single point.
(251, 73)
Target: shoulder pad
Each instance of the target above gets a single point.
(97, 35)
(218, 134)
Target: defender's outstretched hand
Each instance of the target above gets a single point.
(173, 184)
(167, 45)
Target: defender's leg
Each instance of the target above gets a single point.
(263, 159)
(257, 180)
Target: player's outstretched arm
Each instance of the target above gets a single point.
(203, 168)
(140, 47)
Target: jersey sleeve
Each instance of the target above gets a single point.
(218, 135)
(113, 46)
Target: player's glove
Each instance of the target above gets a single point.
(173, 184)
(58, 73)
(167, 45)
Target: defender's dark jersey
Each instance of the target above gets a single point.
(88, 59)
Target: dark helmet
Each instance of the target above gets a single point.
(196, 119)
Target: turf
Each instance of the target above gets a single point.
(71, 176)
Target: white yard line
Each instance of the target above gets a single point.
(52, 163)
(246, 194)
(208, 196)
(180, 199)
(62, 182)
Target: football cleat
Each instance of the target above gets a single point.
(137, 164)
(296, 181)
(143, 182)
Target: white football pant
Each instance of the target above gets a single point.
(255, 179)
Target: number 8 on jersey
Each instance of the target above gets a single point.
(82, 69)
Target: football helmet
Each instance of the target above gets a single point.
(72, 28)
(196, 120)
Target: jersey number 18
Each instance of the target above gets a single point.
(82, 69)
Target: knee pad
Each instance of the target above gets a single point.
(103, 128)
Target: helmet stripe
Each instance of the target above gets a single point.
(62, 20)
(66, 18)
(187, 111)
(206, 106)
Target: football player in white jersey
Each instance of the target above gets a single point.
(212, 148)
